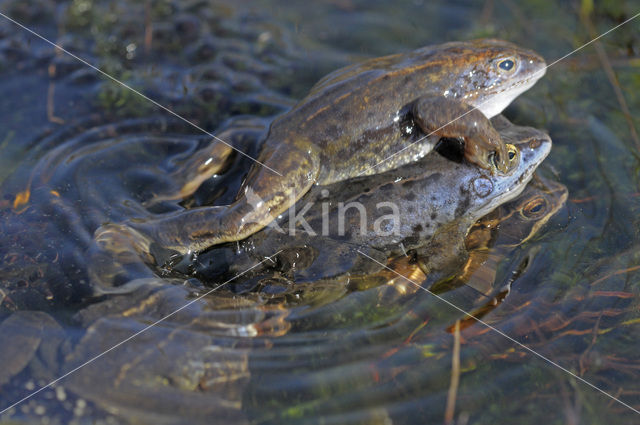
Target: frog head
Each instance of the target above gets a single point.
(479, 191)
(473, 192)
(488, 73)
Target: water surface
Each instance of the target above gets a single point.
(339, 351)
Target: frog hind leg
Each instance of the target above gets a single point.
(450, 118)
(263, 197)
(215, 158)
(339, 258)
(119, 255)
(442, 266)
(312, 258)
(202, 165)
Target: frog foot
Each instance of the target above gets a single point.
(121, 239)
(202, 165)
(119, 255)
(487, 150)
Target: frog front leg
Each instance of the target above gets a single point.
(451, 118)
(441, 266)
(264, 196)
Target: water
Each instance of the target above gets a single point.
(261, 350)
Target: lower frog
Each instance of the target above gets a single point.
(492, 243)
(497, 234)
(496, 241)
(426, 206)
(365, 119)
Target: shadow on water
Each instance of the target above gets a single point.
(78, 151)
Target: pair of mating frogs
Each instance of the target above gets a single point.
(439, 200)
(434, 203)
(372, 118)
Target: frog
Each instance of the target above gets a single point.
(495, 236)
(365, 119)
(438, 263)
(497, 240)
(437, 200)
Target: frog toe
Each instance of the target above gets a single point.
(119, 255)
(120, 239)
(488, 153)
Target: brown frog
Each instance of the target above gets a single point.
(364, 119)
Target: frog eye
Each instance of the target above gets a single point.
(507, 65)
(535, 208)
(512, 151)
(513, 157)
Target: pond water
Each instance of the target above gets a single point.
(78, 150)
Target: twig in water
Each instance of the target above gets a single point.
(455, 376)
